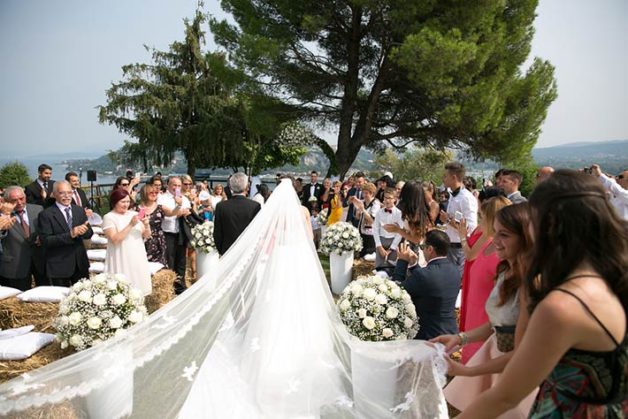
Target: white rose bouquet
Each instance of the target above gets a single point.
(323, 216)
(203, 237)
(97, 309)
(376, 309)
(341, 237)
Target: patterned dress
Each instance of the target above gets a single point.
(586, 384)
(156, 244)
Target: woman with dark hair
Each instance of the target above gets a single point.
(413, 212)
(513, 243)
(127, 184)
(326, 191)
(431, 205)
(126, 233)
(262, 193)
(335, 203)
(575, 346)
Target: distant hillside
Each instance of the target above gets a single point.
(611, 155)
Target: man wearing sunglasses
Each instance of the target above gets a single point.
(618, 188)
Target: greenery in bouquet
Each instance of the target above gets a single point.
(339, 238)
(323, 216)
(203, 237)
(377, 309)
(97, 309)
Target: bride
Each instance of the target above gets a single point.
(264, 342)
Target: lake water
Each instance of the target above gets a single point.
(58, 170)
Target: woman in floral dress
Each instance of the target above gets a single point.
(156, 244)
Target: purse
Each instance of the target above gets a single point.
(505, 337)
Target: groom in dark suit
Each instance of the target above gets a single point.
(62, 228)
(433, 289)
(40, 191)
(231, 217)
(313, 189)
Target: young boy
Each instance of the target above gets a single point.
(386, 243)
(316, 225)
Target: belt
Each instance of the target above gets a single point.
(172, 234)
(456, 245)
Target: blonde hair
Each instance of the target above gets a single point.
(368, 186)
(489, 209)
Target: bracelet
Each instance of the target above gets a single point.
(464, 338)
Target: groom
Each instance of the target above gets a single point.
(231, 217)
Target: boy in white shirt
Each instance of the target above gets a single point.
(385, 242)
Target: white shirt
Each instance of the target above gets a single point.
(259, 199)
(170, 224)
(381, 219)
(619, 197)
(467, 204)
(25, 215)
(62, 209)
(372, 211)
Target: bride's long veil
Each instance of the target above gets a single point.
(258, 338)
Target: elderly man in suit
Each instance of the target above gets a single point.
(79, 197)
(22, 254)
(231, 217)
(40, 191)
(433, 289)
(62, 229)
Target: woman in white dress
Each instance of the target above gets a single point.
(126, 231)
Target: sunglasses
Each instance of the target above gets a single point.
(124, 184)
(620, 177)
(187, 184)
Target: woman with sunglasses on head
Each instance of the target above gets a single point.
(575, 345)
(155, 244)
(127, 184)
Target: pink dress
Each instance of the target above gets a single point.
(464, 303)
(481, 282)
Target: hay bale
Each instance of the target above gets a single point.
(63, 410)
(48, 354)
(163, 290)
(362, 267)
(15, 313)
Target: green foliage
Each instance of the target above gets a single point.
(192, 101)
(435, 73)
(14, 173)
(416, 164)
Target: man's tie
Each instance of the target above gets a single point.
(77, 198)
(68, 217)
(25, 227)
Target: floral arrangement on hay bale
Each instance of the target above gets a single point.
(203, 237)
(97, 309)
(341, 237)
(377, 309)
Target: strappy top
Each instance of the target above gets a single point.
(586, 384)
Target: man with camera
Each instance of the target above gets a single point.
(618, 188)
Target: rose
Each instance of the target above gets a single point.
(64, 321)
(382, 287)
(408, 322)
(369, 322)
(85, 296)
(387, 333)
(94, 323)
(76, 341)
(75, 318)
(378, 280)
(395, 293)
(381, 299)
(369, 294)
(344, 305)
(345, 235)
(64, 344)
(115, 322)
(136, 316)
(118, 299)
(411, 310)
(112, 285)
(392, 312)
(100, 299)
(135, 294)
(405, 297)
(356, 289)
(362, 313)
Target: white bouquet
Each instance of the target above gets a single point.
(341, 237)
(97, 309)
(203, 237)
(376, 309)
(323, 216)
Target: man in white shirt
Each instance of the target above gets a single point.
(385, 242)
(176, 240)
(617, 188)
(462, 204)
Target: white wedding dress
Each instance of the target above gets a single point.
(265, 342)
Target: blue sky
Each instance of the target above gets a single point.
(59, 57)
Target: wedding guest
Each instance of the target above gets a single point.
(156, 181)
(543, 173)
(617, 188)
(326, 190)
(231, 217)
(383, 183)
(126, 233)
(263, 193)
(359, 180)
(62, 229)
(335, 203)
(433, 289)
(316, 225)
(433, 209)
(482, 272)
(39, 192)
(413, 213)
(386, 243)
(176, 241)
(462, 204)
(204, 208)
(298, 187)
(218, 195)
(155, 245)
(79, 198)
(507, 317)
(128, 184)
(510, 181)
(313, 189)
(398, 187)
(22, 256)
(575, 343)
(366, 211)
(470, 184)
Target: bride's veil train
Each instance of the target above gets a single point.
(257, 338)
